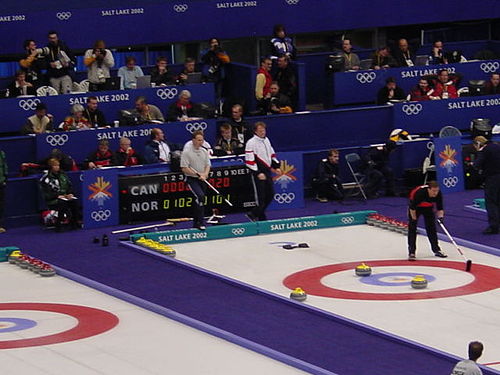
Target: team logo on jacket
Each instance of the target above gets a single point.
(100, 191)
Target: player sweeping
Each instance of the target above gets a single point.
(422, 201)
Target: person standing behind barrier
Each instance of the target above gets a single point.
(263, 83)
(282, 44)
(469, 366)
(98, 62)
(261, 159)
(213, 59)
(60, 62)
(488, 160)
(195, 164)
(3, 184)
(422, 200)
(326, 182)
(33, 63)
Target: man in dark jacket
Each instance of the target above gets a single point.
(158, 150)
(378, 170)
(390, 92)
(102, 157)
(60, 61)
(326, 182)
(126, 155)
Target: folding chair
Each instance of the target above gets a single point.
(46, 91)
(354, 162)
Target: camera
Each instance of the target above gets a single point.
(42, 51)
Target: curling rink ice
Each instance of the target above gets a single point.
(141, 343)
(457, 307)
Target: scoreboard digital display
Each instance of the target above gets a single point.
(167, 196)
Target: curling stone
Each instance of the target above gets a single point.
(47, 271)
(363, 270)
(14, 256)
(298, 295)
(419, 282)
(370, 220)
(24, 261)
(167, 250)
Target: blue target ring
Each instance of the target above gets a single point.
(375, 279)
(19, 324)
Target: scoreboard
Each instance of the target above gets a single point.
(167, 195)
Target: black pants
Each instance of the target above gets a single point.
(67, 208)
(198, 188)
(430, 228)
(376, 179)
(264, 193)
(331, 189)
(492, 200)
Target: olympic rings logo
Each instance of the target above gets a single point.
(180, 8)
(101, 215)
(490, 67)
(195, 126)
(366, 77)
(284, 198)
(238, 231)
(292, 2)
(63, 16)
(347, 220)
(450, 181)
(167, 93)
(412, 109)
(57, 139)
(29, 104)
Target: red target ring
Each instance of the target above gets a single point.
(486, 278)
(91, 322)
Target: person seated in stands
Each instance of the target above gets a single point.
(213, 60)
(444, 86)
(403, 55)
(493, 85)
(59, 196)
(227, 143)
(33, 63)
(422, 91)
(98, 61)
(263, 82)
(20, 86)
(40, 122)
(160, 75)
(390, 92)
(147, 113)
(278, 102)
(129, 73)
(282, 44)
(183, 109)
(439, 56)
(76, 121)
(102, 157)
(241, 129)
(378, 171)
(286, 79)
(158, 149)
(66, 162)
(189, 67)
(94, 115)
(382, 59)
(60, 62)
(126, 155)
(351, 60)
(326, 182)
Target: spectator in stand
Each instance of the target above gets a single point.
(286, 79)
(213, 60)
(147, 113)
(282, 44)
(60, 62)
(40, 122)
(189, 67)
(263, 83)
(66, 162)
(403, 55)
(278, 102)
(422, 91)
(493, 85)
(444, 87)
(183, 109)
(33, 63)
(93, 114)
(382, 59)
(227, 143)
(437, 55)
(129, 73)
(242, 130)
(20, 86)
(102, 157)
(351, 60)
(76, 121)
(158, 149)
(326, 182)
(160, 75)
(3, 184)
(126, 155)
(98, 61)
(390, 92)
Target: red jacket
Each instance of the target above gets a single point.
(269, 80)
